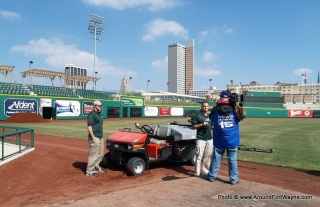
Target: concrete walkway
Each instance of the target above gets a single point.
(194, 191)
(11, 152)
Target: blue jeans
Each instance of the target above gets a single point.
(232, 164)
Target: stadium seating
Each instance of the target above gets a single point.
(40, 90)
(13, 88)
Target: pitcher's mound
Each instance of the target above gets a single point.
(25, 118)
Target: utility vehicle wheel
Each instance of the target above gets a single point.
(106, 161)
(136, 166)
(192, 159)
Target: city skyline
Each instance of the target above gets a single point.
(180, 67)
(264, 41)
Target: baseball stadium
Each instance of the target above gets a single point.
(43, 142)
(173, 81)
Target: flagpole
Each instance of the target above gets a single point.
(301, 86)
(292, 91)
(312, 92)
(318, 87)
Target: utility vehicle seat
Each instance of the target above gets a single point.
(153, 140)
(164, 131)
(155, 129)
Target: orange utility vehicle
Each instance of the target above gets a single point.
(136, 150)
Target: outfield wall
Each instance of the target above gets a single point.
(56, 107)
(60, 108)
(252, 112)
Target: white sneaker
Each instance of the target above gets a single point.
(92, 174)
(99, 170)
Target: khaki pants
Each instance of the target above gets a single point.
(203, 152)
(96, 153)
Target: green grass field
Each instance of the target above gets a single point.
(295, 141)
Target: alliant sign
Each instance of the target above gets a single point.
(300, 113)
(14, 105)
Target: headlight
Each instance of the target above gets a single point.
(108, 144)
(129, 147)
(137, 146)
(116, 146)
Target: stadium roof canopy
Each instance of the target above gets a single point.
(84, 79)
(41, 73)
(5, 69)
(53, 74)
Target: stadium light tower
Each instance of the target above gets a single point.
(95, 28)
(30, 64)
(147, 88)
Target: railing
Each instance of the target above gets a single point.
(15, 140)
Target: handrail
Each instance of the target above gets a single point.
(18, 132)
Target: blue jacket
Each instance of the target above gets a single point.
(226, 133)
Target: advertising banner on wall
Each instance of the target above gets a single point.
(67, 108)
(164, 111)
(300, 113)
(87, 107)
(151, 111)
(176, 111)
(44, 102)
(16, 105)
(127, 101)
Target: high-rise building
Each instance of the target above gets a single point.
(189, 66)
(71, 70)
(125, 85)
(180, 67)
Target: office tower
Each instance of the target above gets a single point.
(189, 66)
(180, 68)
(71, 70)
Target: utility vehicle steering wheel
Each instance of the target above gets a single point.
(147, 129)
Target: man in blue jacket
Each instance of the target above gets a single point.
(226, 137)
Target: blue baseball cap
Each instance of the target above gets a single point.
(225, 94)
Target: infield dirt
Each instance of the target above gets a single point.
(54, 174)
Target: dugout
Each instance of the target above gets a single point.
(47, 112)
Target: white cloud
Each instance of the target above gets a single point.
(58, 54)
(160, 27)
(202, 35)
(301, 71)
(9, 15)
(229, 31)
(208, 71)
(153, 5)
(160, 64)
(206, 35)
(226, 29)
(209, 56)
(212, 31)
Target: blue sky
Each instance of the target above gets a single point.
(250, 40)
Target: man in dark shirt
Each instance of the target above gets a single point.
(95, 139)
(204, 146)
